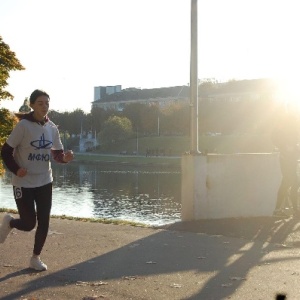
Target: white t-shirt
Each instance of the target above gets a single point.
(32, 145)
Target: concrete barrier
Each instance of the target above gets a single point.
(224, 186)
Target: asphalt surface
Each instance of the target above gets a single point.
(251, 258)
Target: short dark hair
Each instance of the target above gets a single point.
(37, 93)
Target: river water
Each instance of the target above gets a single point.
(121, 193)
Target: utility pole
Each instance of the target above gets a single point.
(194, 80)
(137, 141)
(158, 130)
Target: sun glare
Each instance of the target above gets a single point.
(288, 92)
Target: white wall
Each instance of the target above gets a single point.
(223, 186)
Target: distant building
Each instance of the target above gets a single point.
(159, 96)
(25, 108)
(87, 143)
(102, 91)
(209, 90)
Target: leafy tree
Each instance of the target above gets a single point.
(134, 112)
(149, 120)
(55, 117)
(207, 87)
(181, 119)
(8, 62)
(63, 123)
(65, 137)
(115, 129)
(77, 122)
(175, 119)
(98, 116)
(7, 122)
(72, 122)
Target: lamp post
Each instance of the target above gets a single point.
(65, 144)
(137, 140)
(194, 79)
(158, 130)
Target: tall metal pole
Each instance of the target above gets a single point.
(137, 141)
(158, 130)
(194, 79)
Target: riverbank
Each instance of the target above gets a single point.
(128, 160)
(92, 220)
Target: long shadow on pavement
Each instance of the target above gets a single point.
(199, 247)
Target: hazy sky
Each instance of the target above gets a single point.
(70, 46)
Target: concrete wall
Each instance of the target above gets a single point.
(224, 186)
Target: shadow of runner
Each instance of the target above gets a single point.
(261, 229)
(255, 228)
(16, 274)
(200, 264)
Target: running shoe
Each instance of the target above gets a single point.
(5, 228)
(36, 264)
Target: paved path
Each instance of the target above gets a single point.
(233, 259)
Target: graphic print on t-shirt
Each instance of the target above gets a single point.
(42, 143)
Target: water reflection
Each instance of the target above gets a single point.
(82, 190)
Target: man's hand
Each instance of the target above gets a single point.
(21, 172)
(68, 156)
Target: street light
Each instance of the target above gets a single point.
(137, 140)
(194, 79)
(158, 130)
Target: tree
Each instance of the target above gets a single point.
(134, 112)
(116, 129)
(8, 62)
(207, 87)
(74, 122)
(7, 122)
(149, 120)
(175, 119)
(77, 122)
(98, 117)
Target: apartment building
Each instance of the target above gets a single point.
(159, 96)
(103, 91)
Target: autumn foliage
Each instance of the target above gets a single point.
(8, 63)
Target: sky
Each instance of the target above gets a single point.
(70, 46)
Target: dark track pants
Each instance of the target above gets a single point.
(34, 205)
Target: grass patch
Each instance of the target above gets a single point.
(8, 210)
(92, 220)
(170, 145)
(100, 220)
(125, 159)
(176, 146)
